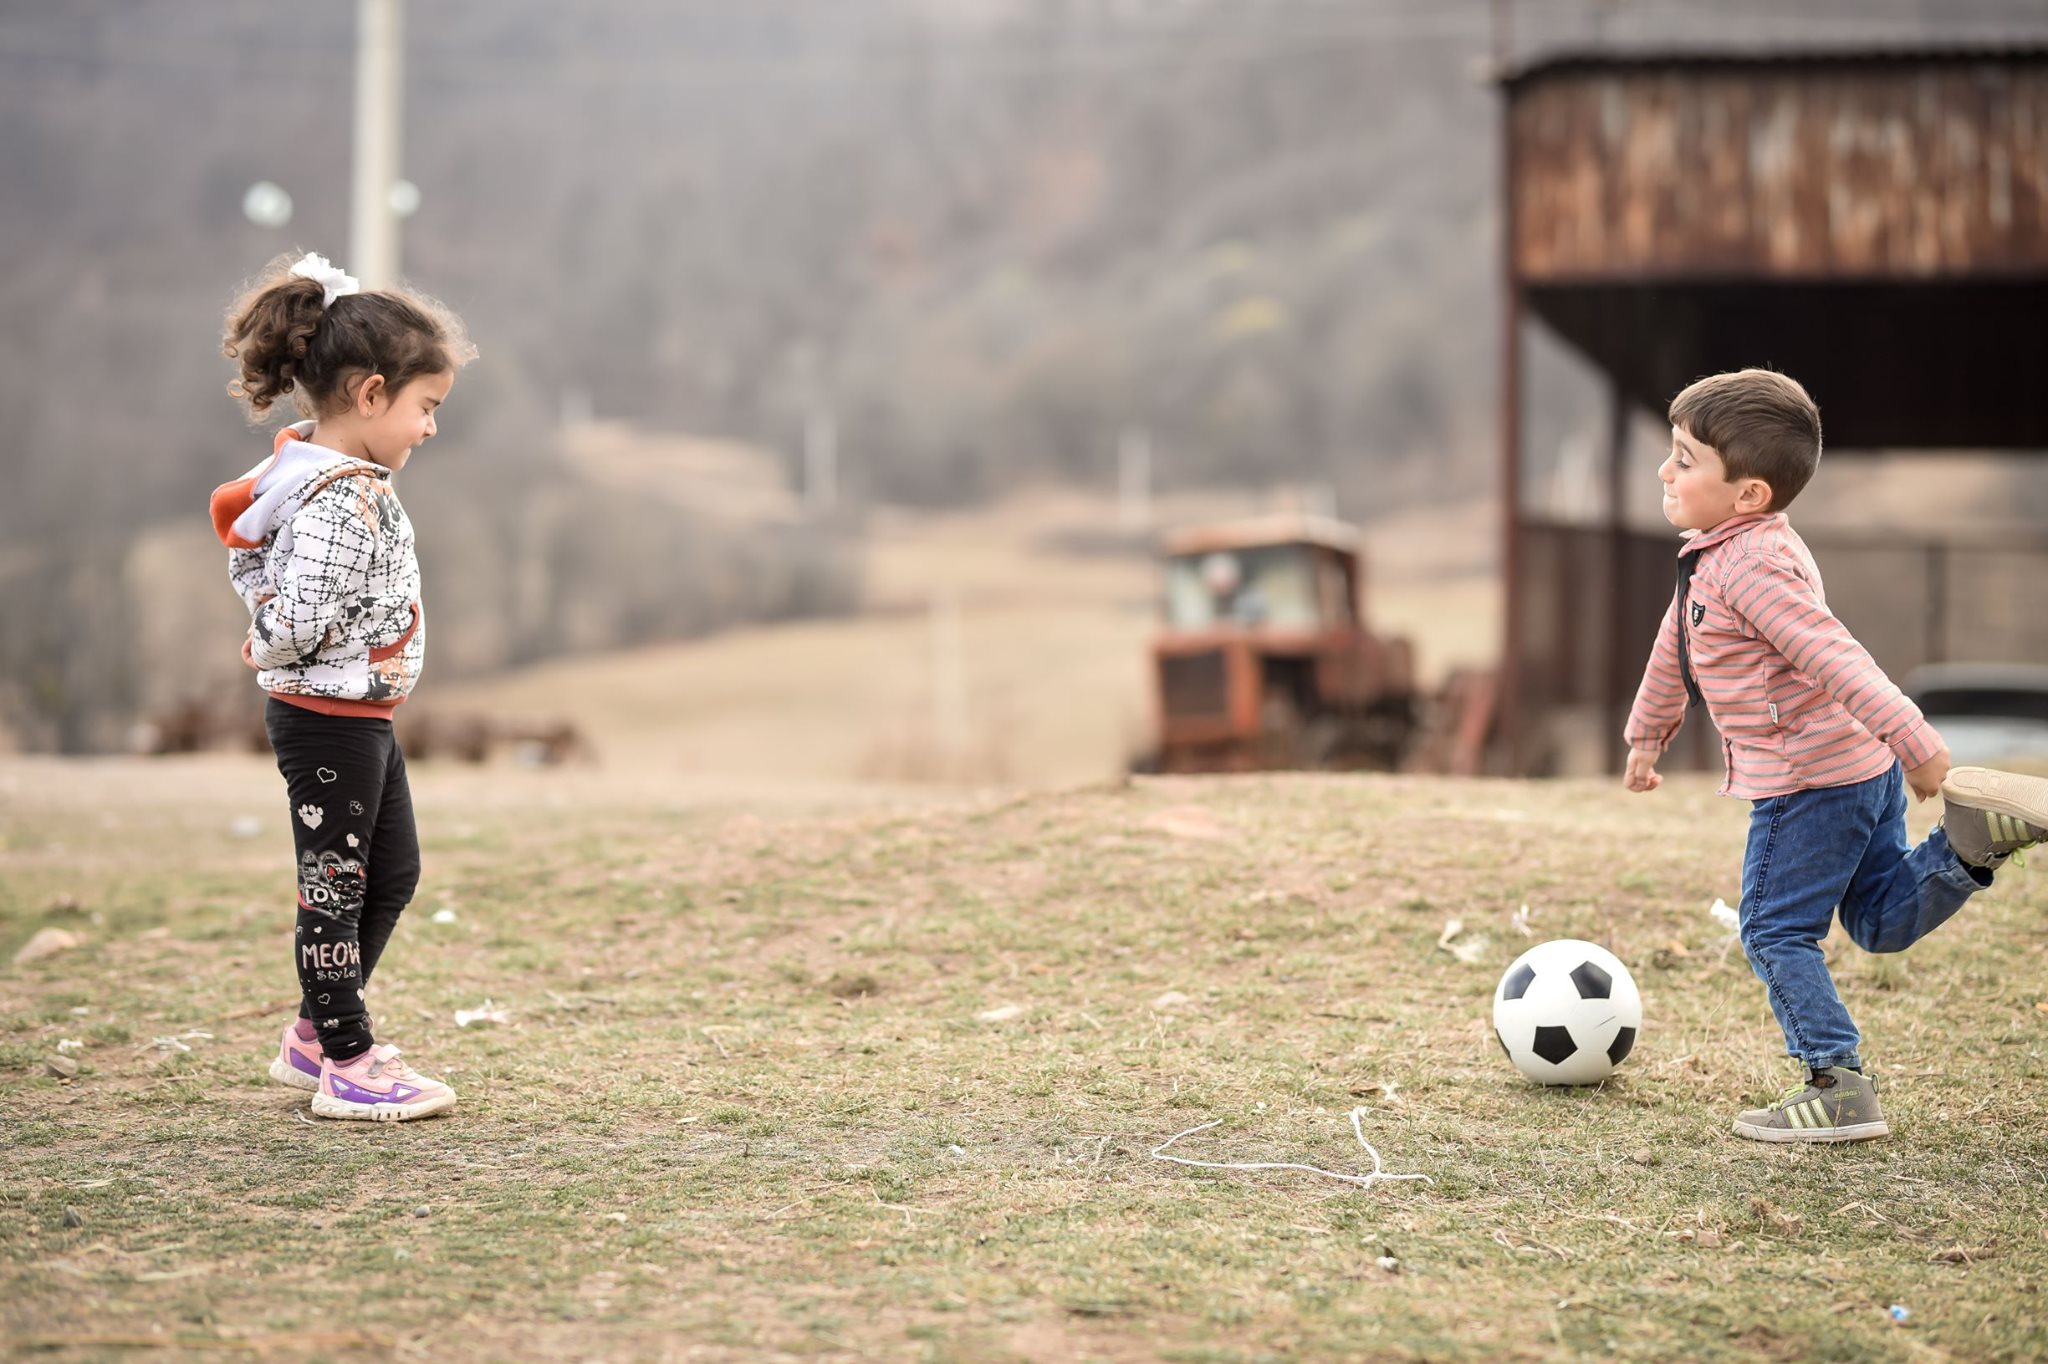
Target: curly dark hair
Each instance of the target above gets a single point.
(289, 341)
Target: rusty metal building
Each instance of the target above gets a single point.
(1874, 224)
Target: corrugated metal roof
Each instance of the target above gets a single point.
(2026, 49)
(1780, 169)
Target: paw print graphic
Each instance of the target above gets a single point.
(311, 815)
(355, 807)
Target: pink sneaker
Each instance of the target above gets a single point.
(298, 1061)
(378, 1087)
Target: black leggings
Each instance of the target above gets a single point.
(359, 859)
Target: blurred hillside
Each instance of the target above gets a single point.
(983, 236)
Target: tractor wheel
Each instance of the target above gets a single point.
(1288, 740)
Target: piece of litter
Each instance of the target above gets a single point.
(47, 942)
(960, 1151)
(69, 1046)
(486, 1012)
(1389, 1263)
(1171, 999)
(444, 916)
(1000, 1015)
(1520, 919)
(1364, 1181)
(178, 1043)
(245, 826)
(1728, 919)
(1898, 1314)
(1468, 951)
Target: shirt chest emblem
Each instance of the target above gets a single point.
(1699, 613)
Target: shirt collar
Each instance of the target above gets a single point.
(1733, 526)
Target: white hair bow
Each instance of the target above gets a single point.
(328, 277)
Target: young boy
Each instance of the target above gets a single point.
(1815, 735)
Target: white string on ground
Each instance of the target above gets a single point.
(1362, 1181)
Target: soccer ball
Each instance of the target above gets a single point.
(1567, 1012)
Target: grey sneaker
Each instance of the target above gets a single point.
(1990, 815)
(1842, 1108)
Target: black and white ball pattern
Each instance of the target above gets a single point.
(1567, 1012)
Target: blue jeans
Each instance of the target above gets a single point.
(1838, 846)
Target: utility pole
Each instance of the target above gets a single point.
(380, 68)
(821, 462)
(1134, 481)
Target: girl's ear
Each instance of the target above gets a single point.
(370, 394)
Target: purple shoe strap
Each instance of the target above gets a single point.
(342, 1089)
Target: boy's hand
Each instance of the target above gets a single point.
(1926, 779)
(1641, 774)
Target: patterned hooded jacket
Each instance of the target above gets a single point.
(321, 553)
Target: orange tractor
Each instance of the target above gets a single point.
(1265, 660)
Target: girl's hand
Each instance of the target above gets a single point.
(249, 640)
(1641, 773)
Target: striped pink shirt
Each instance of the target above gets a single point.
(1799, 703)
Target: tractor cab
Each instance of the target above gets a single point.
(1264, 659)
(1298, 586)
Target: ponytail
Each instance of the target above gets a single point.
(270, 329)
(289, 340)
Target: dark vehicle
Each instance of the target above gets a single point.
(1990, 714)
(1265, 660)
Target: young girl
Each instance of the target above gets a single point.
(322, 554)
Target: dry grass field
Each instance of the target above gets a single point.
(809, 1072)
(1053, 610)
